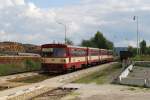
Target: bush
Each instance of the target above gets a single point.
(13, 68)
(32, 65)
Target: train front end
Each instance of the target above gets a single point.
(54, 58)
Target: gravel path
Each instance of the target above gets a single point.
(109, 92)
(29, 91)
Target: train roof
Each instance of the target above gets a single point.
(64, 45)
(76, 46)
(47, 45)
(103, 49)
(93, 48)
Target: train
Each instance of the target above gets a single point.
(59, 58)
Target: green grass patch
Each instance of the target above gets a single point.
(32, 65)
(142, 58)
(74, 94)
(143, 64)
(26, 66)
(103, 76)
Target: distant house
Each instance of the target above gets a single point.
(118, 49)
(13, 48)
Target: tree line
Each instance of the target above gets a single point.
(144, 49)
(97, 41)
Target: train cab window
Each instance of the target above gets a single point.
(53, 52)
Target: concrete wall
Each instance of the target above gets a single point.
(126, 72)
(133, 81)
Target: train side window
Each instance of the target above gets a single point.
(78, 52)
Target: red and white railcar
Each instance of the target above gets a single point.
(93, 56)
(103, 55)
(110, 55)
(77, 57)
(61, 57)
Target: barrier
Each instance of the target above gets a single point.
(126, 72)
(133, 81)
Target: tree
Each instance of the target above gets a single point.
(143, 47)
(133, 50)
(110, 45)
(69, 42)
(148, 50)
(86, 43)
(98, 41)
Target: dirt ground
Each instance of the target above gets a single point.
(109, 92)
(113, 92)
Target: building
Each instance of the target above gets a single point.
(118, 49)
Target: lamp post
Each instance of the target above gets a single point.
(137, 20)
(65, 26)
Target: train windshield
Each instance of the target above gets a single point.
(53, 52)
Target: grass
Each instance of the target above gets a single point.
(74, 94)
(12, 68)
(142, 58)
(32, 79)
(101, 77)
(142, 65)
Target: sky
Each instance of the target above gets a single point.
(37, 21)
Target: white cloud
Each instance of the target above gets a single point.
(26, 22)
(18, 2)
(5, 3)
(9, 3)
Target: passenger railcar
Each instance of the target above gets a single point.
(60, 57)
(93, 56)
(104, 55)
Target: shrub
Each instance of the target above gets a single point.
(13, 68)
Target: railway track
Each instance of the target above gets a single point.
(33, 90)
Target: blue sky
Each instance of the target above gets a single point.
(53, 3)
(36, 21)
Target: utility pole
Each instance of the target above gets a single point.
(65, 26)
(137, 20)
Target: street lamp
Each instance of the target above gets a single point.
(137, 20)
(65, 26)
